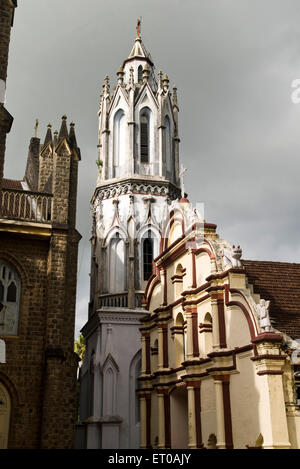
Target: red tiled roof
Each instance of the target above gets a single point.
(12, 184)
(278, 282)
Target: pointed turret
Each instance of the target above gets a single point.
(48, 137)
(138, 121)
(72, 136)
(137, 59)
(63, 133)
(55, 138)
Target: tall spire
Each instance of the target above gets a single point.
(63, 133)
(48, 138)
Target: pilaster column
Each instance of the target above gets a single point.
(164, 419)
(143, 339)
(194, 415)
(148, 356)
(161, 419)
(221, 321)
(131, 263)
(163, 276)
(220, 415)
(107, 170)
(191, 417)
(143, 411)
(223, 412)
(269, 363)
(145, 406)
(163, 354)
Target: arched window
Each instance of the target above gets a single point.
(144, 136)
(140, 73)
(10, 289)
(117, 264)
(147, 255)
(119, 137)
(110, 386)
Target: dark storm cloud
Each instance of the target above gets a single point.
(233, 63)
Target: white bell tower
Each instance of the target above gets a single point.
(138, 176)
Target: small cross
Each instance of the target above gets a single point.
(181, 174)
(138, 27)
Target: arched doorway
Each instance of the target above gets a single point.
(5, 409)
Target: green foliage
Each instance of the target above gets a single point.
(79, 346)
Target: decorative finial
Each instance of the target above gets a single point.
(165, 80)
(160, 74)
(36, 128)
(138, 27)
(175, 101)
(106, 85)
(181, 174)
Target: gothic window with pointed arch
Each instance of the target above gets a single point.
(140, 73)
(119, 147)
(145, 135)
(117, 264)
(10, 290)
(147, 255)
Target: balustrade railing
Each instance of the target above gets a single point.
(119, 300)
(114, 300)
(25, 205)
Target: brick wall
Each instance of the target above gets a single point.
(40, 372)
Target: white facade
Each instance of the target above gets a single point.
(138, 177)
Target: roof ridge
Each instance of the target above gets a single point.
(271, 262)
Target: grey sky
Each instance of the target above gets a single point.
(233, 62)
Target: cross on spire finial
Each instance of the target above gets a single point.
(138, 27)
(181, 174)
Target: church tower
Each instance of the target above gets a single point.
(138, 176)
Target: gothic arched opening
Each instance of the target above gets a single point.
(147, 255)
(10, 290)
